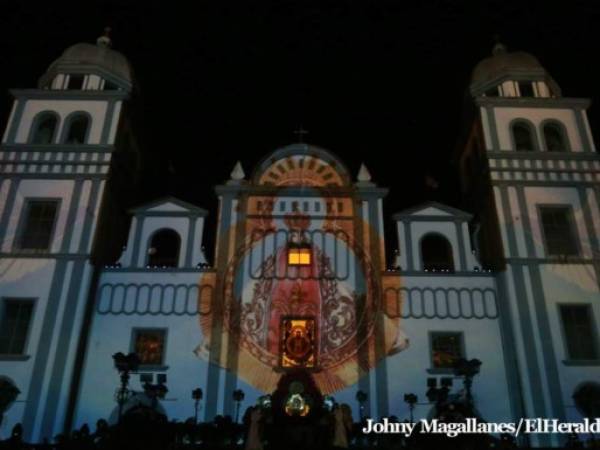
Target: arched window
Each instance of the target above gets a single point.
(554, 138)
(77, 129)
(44, 128)
(163, 250)
(523, 137)
(436, 253)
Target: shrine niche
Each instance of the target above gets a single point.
(298, 343)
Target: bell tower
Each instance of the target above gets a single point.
(530, 174)
(65, 155)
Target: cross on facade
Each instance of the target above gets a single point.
(300, 132)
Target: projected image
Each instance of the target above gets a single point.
(298, 343)
(301, 291)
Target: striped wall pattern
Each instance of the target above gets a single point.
(154, 299)
(441, 303)
(528, 167)
(54, 162)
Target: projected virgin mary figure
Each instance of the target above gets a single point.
(301, 290)
(293, 273)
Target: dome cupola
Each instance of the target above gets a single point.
(87, 66)
(512, 74)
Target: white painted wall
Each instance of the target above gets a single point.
(541, 89)
(589, 130)
(113, 333)
(24, 278)
(570, 284)
(96, 108)
(93, 82)
(402, 244)
(10, 120)
(509, 89)
(407, 371)
(504, 115)
(564, 283)
(115, 122)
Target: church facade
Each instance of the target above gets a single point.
(299, 279)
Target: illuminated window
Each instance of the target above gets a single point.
(149, 345)
(299, 256)
(446, 349)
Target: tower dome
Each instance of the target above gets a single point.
(504, 65)
(100, 59)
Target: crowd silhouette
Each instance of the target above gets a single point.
(148, 430)
(144, 428)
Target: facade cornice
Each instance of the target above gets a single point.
(55, 94)
(534, 102)
(78, 148)
(250, 189)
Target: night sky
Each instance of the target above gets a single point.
(380, 82)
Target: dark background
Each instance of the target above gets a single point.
(380, 82)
